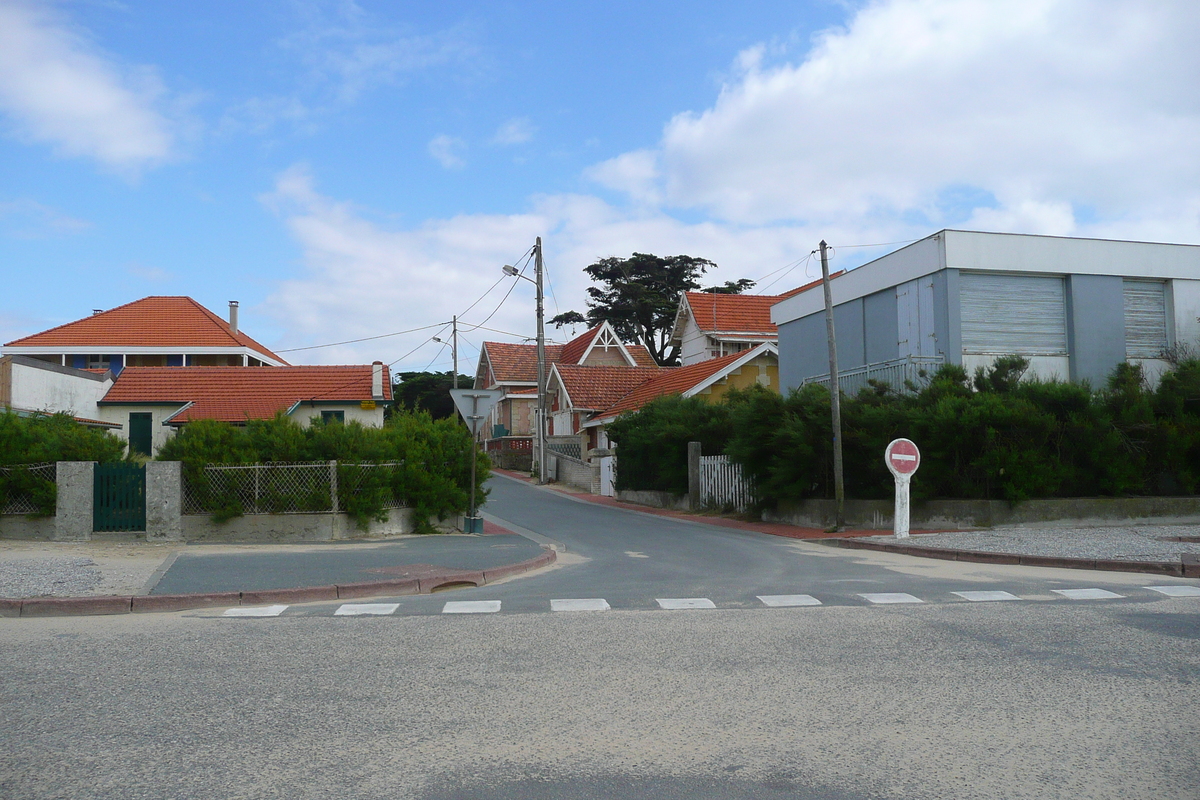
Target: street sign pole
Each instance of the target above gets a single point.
(474, 406)
(902, 458)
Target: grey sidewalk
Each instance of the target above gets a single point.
(1132, 543)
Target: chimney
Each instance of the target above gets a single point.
(233, 325)
(377, 380)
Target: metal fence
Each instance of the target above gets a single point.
(897, 374)
(722, 484)
(23, 485)
(287, 488)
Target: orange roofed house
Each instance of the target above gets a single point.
(712, 325)
(135, 366)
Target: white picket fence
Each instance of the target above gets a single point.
(723, 485)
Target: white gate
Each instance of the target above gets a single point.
(608, 477)
(722, 484)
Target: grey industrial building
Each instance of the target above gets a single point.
(1075, 307)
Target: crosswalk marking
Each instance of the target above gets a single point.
(683, 603)
(986, 596)
(884, 598)
(787, 600)
(1087, 594)
(1176, 591)
(366, 609)
(471, 607)
(254, 611)
(581, 604)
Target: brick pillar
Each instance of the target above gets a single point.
(164, 501)
(73, 512)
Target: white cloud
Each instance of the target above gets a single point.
(515, 131)
(446, 151)
(361, 279)
(29, 219)
(1053, 107)
(56, 87)
(635, 173)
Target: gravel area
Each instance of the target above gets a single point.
(1134, 543)
(54, 577)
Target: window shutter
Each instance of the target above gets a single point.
(1145, 318)
(1013, 314)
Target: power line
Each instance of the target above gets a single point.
(364, 339)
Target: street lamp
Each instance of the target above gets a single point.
(540, 421)
(453, 347)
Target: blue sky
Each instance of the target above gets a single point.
(352, 169)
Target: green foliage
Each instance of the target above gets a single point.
(991, 435)
(42, 439)
(427, 391)
(653, 441)
(639, 296)
(432, 477)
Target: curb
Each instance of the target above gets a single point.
(84, 606)
(1187, 567)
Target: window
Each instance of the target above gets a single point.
(1145, 318)
(333, 416)
(1013, 314)
(98, 362)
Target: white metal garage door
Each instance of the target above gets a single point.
(1013, 314)
(1145, 318)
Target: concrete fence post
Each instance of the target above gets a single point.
(73, 511)
(164, 501)
(693, 466)
(333, 487)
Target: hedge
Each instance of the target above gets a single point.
(46, 438)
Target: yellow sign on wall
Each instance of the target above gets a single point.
(367, 405)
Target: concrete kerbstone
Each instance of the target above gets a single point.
(431, 583)
(1191, 565)
(1151, 567)
(10, 607)
(74, 606)
(376, 588)
(546, 558)
(148, 604)
(308, 594)
(983, 557)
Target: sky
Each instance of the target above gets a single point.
(360, 169)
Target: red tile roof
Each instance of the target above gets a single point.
(739, 313)
(593, 388)
(235, 394)
(573, 350)
(150, 322)
(675, 380)
(518, 362)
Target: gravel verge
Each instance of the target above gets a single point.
(1134, 543)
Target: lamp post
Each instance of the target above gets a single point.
(453, 347)
(540, 420)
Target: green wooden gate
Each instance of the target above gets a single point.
(119, 498)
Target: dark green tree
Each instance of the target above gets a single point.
(732, 287)
(639, 296)
(428, 391)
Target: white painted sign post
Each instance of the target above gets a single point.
(902, 458)
(474, 405)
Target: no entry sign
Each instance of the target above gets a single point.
(902, 457)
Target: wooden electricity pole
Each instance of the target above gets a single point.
(835, 395)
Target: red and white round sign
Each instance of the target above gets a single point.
(902, 457)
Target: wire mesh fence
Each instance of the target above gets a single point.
(313, 487)
(28, 488)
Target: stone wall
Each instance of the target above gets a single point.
(574, 472)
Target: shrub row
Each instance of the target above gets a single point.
(433, 456)
(993, 436)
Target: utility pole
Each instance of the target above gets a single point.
(541, 366)
(454, 347)
(835, 395)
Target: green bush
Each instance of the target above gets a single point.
(432, 476)
(44, 439)
(992, 435)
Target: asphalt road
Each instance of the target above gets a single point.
(1040, 697)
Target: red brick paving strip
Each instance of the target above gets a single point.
(156, 603)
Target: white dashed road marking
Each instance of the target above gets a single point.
(786, 600)
(1087, 594)
(471, 607)
(1176, 591)
(682, 603)
(883, 598)
(985, 597)
(363, 609)
(582, 604)
(254, 611)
